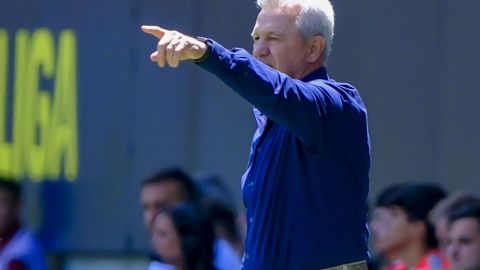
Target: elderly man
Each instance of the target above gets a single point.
(306, 183)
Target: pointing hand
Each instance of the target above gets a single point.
(174, 46)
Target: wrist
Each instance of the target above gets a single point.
(204, 49)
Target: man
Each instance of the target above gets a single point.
(165, 189)
(19, 250)
(440, 213)
(306, 183)
(168, 188)
(463, 246)
(401, 230)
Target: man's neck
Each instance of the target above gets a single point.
(307, 71)
(413, 254)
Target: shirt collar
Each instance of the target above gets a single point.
(320, 73)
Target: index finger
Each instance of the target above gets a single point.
(154, 30)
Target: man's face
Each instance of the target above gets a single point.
(156, 197)
(463, 247)
(278, 44)
(391, 230)
(9, 211)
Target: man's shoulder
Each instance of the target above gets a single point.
(340, 91)
(347, 87)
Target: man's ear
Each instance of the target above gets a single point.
(316, 47)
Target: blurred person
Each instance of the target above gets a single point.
(164, 189)
(183, 236)
(439, 214)
(306, 183)
(401, 230)
(380, 224)
(214, 188)
(167, 188)
(463, 247)
(220, 205)
(19, 249)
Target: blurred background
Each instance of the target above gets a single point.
(77, 75)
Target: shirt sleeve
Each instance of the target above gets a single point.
(301, 107)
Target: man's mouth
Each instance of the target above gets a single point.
(268, 64)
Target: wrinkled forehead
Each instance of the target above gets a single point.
(287, 6)
(289, 10)
(275, 20)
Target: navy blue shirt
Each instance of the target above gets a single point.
(306, 185)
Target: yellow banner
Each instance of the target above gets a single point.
(43, 137)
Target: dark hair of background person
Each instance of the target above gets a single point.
(220, 206)
(417, 200)
(177, 175)
(224, 218)
(468, 210)
(451, 203)
(196, 233)
(214, 188)
(11, 187)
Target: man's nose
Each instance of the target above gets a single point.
(373, 225)
(451, 249)
(260, 49)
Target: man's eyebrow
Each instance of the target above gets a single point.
(267, 33)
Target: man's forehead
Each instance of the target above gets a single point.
(170, 186)
(276, 14)
(285, 8)
(391, 210)
(272, 22)
(466, 223)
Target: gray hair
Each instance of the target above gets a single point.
(316, 17)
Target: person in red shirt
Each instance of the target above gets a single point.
(401, 230)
